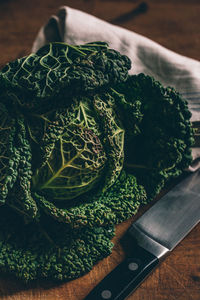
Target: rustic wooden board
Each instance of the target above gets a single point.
(174, 24)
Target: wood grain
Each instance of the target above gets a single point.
(174, 24)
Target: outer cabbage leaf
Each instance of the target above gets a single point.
(60, 71)
(113, 135)
(116, 204)
(27, 253)
(20, 197)
(166, 135)
(161, 149)
(15, 164)
(9, 154)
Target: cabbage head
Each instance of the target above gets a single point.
(82, 145)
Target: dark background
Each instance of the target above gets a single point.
(174, 24)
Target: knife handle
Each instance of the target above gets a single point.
(126, 277)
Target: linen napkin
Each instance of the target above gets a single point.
(171, 69)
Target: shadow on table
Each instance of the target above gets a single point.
(9, 285)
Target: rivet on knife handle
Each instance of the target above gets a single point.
(125, 278)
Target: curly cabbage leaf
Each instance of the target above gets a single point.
(61, 71)
(9, 154)
(117, 203)
(30, 254)
(15, 165)
(161, 149)
(20, 198)
(113, 133)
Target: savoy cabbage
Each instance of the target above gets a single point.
(82, 145)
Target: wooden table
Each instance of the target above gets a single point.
(174, 24)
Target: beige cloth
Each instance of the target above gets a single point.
(76, 27)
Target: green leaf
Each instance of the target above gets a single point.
(77, 159)
(9, 154)
(113, 135)
(58, 71)
(20, 197)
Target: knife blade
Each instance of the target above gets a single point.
(155, 234)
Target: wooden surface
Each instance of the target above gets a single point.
(174, 24)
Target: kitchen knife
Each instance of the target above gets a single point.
(155, 234)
